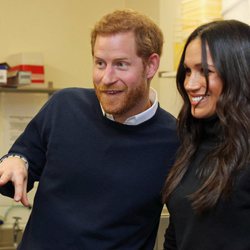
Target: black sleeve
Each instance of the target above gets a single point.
(170, 241)
(32, 144)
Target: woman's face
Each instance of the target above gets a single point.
(203, 105)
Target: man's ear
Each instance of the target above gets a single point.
(153, 63)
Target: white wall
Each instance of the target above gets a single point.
(167, 92)
(236, 9)
(59, 29)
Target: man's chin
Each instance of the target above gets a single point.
(111, 111)
(110, 107)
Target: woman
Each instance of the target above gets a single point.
(207, 191)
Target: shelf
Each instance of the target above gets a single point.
(48, 91)
(167, 74)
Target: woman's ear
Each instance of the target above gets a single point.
(153, 63)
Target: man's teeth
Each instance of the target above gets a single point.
(112, 91)
(197, 98)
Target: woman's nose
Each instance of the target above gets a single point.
(193, 81)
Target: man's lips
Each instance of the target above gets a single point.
(111, 92)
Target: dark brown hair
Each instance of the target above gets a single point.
(229, 45)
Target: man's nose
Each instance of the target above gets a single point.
(109, 75)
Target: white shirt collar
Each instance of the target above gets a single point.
(143, 116)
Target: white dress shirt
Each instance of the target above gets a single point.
(143, 116)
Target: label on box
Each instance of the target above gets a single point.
(3, 75)
(18, 78)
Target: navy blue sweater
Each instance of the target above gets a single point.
(99, 181)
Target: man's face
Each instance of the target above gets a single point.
(119, 76)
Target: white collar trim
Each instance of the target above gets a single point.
(143, 116)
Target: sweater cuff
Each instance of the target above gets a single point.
(16, 156)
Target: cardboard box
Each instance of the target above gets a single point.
(32, 62)
(37, 71)
(18, 78)
(3, 73)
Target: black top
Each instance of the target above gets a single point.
(225, 227)
(100, 181)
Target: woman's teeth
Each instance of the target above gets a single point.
(197, 98)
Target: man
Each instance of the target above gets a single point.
(100, 156)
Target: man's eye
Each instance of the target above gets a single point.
(100, 64)
(122, 65)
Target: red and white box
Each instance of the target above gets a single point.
(30, 61)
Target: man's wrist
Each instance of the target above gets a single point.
(15, 156)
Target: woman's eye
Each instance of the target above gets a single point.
(203, 71)
(187, 71)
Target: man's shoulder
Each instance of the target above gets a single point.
(166, 116)
(74, 95)
(75, 91)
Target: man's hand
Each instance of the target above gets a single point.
(13, 169)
